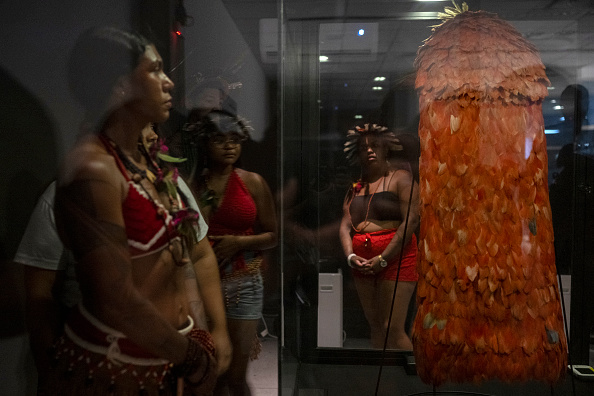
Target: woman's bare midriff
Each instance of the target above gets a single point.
(377, 225)
(160, 281)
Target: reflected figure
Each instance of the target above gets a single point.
(561, 196)
(239, 209)
(575, 101)
(380, 215)
(134, 238)
(208, 95)
(575, 129)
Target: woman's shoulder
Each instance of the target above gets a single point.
(88, 159)
(398, 177)
(253, 181)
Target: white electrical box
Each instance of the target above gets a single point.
(330, 333)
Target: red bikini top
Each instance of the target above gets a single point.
(146, 229)
(237, 213)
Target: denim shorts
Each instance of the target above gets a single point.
(244, 296)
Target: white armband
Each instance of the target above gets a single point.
(349, 260)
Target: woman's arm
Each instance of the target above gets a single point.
(266, 212)
(346, 239)
(209, 284)
(194, 298)
(345, 227)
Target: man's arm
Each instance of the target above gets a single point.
(39, 252)
(43, 316)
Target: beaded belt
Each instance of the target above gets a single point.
(91, 334)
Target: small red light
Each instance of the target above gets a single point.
(178, 32)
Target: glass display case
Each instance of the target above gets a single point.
(355, 63)
(304, 73)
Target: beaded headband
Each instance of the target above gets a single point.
(354, 138)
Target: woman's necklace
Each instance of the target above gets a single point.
(365, 222)
(137, 175)
(210, 197)
(135, 170)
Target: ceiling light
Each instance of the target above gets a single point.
(557, 107)
(550, 88)
(358, 116)
(377, 88)
(379, 79)
(323, 58)
(361, 32)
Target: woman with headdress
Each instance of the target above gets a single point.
(135, 240)
(380, 215)
(239, 209)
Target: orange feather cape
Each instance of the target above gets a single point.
(487, 294)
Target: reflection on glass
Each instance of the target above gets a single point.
(380, 216)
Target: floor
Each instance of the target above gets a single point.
(316, 379)
(357, 380)
(263, 372)
(300, 379)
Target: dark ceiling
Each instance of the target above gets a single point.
(562, 30)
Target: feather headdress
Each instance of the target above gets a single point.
(354, 139)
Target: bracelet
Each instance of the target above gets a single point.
(201, 380)
(204, 339)
(192, 362)
(349, 260)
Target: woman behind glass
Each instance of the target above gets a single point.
(372, 233)
(132, 333)
(239, 209)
